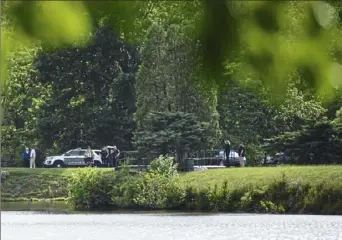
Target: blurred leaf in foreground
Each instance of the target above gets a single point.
(277, 38)
(57, 22)
(49, 22)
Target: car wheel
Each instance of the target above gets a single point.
(58, 164)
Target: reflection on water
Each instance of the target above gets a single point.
(53, 207)
(40, 224)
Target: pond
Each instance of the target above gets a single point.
(55, 222)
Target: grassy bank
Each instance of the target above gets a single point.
(24, 184)
(264, 175)
(312, 189)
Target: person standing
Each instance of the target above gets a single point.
(33, 158)
(242, 154)
(110, 157)
(116, 154)
(104, 156)
(227, 147)
(26, 157)
(89, 156)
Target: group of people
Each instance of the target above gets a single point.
(109, 156)
(29, 157)
(241, 153)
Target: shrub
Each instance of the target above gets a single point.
(126, 188)
(164, 166)
(90, 188)
(157, 189)
(160, 187)
(160, 192)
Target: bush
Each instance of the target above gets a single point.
(164, 166)
(90, 188)
(160, 188)
(126, 188)
(160, 192)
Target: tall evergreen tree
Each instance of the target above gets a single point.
(169, 70)
(150, 79)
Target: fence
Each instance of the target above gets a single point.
(200, 158)
(130, 158)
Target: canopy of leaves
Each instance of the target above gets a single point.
(279, 36)
(71, 74)
(93, 96)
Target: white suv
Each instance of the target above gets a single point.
(72, 158)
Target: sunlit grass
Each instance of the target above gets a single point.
(246, 175)
(261, 175)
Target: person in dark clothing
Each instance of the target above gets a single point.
(110, 158)
(104, 156)
(26, 157)
(227, 147)
(116, 154)
(242, 154)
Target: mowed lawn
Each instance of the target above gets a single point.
(260, 175)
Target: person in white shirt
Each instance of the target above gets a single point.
(89, 156)
(33, 158)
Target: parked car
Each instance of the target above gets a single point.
(275, 159)
(233, 158)
(72, 158)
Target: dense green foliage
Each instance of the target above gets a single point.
(281, 194)
(315, 143)
(173, 77)
(165, 133)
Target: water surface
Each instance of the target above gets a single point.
(56, 223)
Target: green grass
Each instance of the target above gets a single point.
(261, 175)
(40, 183)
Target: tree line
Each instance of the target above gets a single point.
(154, 93)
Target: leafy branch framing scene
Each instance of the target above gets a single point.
(170, 83)
(265, 73)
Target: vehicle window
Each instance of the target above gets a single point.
(74, 153)
(82, 152)
(98, 152)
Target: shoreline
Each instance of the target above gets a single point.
(291, 190)
(20, 199)
(153, 211)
